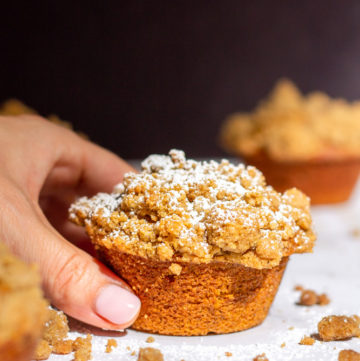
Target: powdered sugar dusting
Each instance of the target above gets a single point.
(197, 211)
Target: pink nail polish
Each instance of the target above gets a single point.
(116, 304)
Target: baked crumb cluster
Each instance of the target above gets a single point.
(291, 126)
(55, 340)
(349, 355)
(310, 298)
(182, 210)
(339, 327)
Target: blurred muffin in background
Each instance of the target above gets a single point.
(309, 141)
(16, 107)
(23, 310)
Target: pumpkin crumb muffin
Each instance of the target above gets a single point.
(203, 244)
(311, 142)
(23, 309)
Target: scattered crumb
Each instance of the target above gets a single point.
(291, 328)
(62, 347)
(110, 344)
(82, 348)
(128, 348)
(310, 298)
(283, 345)
(56, 329)
(298, 288)
(228, 354)
(355, 232)
(339, 327)
(306, 340)
(261, 357)
(175, 269)
(349, 355)
(43, 351)
(150, 354)
(150, 339)
(323, 299)
(133, 353)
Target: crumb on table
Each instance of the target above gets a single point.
(349, 355)
(150, 339)
(339, 327)
(310, 298)
(261, 357)
(298, 288)
(82, 348)
(62, 347)
(43, 351)
(150, 354)
(110, 344)
(228, 354)
(307, 340)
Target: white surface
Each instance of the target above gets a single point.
(334, 268)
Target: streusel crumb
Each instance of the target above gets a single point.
(56, 329)
(187, 211)
(228, 354)
(63, 347)
(306, 340)
(349, 355)
(261, 357)
(310, 298)
(150, 339)
(82, 348)
(339, 327)
(43, 351)
(150, 354)
(111, 343)
(289, 126)
(175, 269)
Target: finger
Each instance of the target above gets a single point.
(74, 281)
(102, 169)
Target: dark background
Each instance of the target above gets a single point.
(142, 77)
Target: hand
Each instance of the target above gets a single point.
(43, 168)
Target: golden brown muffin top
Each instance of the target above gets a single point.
(23, 310)
(182, 210)
(289, 126)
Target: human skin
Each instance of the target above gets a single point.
(43, 168)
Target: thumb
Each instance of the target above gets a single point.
(85, 289)
(74, 281)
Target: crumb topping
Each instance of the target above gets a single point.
(175, 269)
(182, 210)
(291, 126)
(339, 327)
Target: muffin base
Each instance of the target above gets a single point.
(323, 181)
(205, 298)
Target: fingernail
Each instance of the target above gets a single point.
(117, 305)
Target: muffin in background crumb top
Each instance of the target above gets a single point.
(311, 142)
(23, 310)
(213, 230)
(290, 126)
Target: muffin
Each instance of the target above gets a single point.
(23, 310)
(203, 244)
(310, 142)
